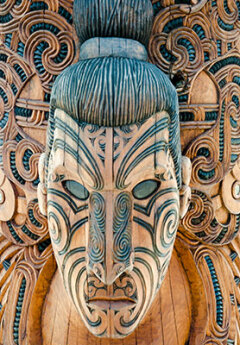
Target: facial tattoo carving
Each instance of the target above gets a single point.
(113, 208)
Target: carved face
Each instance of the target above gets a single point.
(113, 212)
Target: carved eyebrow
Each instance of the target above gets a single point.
(124, 170)
(93, 170)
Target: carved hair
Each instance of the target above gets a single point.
(115, 90)
(113, 18)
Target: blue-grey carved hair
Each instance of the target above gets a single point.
(115, 91)
(113, 18)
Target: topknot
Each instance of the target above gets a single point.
(113, 18)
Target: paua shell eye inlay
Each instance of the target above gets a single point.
(76, 189)
(145, 189)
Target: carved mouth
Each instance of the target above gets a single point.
(112, 303)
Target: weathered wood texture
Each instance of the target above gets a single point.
(197, 44)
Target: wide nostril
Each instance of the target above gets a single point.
(98, 270)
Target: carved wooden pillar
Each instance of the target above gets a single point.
(194, 43)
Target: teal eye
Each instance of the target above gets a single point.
(76, 189)
(145, 189)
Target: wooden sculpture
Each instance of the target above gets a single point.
(88, 261)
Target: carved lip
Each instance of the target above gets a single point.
(112, 302)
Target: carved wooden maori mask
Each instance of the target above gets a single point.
(111, 174)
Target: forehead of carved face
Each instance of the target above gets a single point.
(113, 211)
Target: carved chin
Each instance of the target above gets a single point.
(112, 311)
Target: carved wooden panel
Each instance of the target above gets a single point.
(197, 44)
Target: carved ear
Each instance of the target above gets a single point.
(41, 190)
(185, 192)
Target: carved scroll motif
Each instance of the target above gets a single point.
(197, 45)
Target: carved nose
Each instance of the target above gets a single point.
(110, 236)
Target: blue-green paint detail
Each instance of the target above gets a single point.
(235, 141)
(3, 57)
(203, 151)
(199, 31)
(221, 132)
(3, 95)
(37, 56)
(222, 83)
(167, 54)
(217, 291)
(206, 56)
(157, 7)
(225, 26)
(234, 158)
(173, 25)
(226, 8)
(20, 49)
(232, 299)
(8, 40)
(222, 234)
(65, 14)
(14, 89)
(236, 80)
(38, 6)
(211, 115)
(44, 26)
(43, 245)
(6, 264)
(206, 175)
(27, 113)
(2, 74)
(17, 318)
(18, 138)
(190, 48)
(233, 255)
(20, 72)
(4, 120)
(27, 232)
(230, 342)
(219, 47)
(14, 168)
(183, 98)
(26, 157)
(198, 220)
(62, 54)
(13, 233)
(6, 18)
(186, 116)
(237, 280)
(33, 220)
(237, 226)
(201, 234)
(235, 100)
(231, 60)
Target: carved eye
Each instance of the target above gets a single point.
(145, 189)
(76, 189)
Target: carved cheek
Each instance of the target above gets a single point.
(166, 220)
